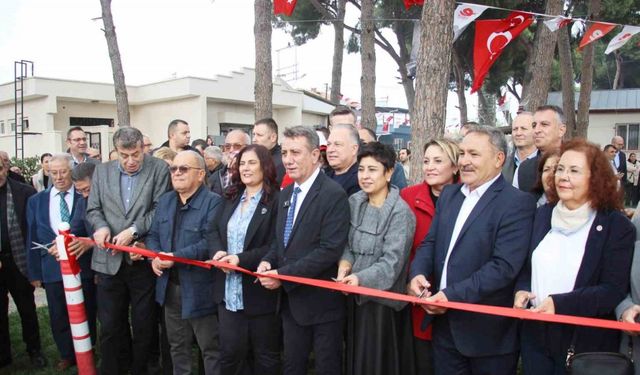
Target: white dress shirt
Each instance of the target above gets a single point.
(556, 261)
(304, 189)
(472, 198)
(518, 162)
(54, 206)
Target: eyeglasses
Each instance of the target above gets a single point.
(77, 140)
(182, 168)
(148, 144)
(234, 146)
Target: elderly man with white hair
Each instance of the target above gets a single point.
(45, 212)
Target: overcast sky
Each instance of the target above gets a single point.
(160, 39)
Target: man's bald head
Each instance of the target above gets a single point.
(618, 142)
(4, 156)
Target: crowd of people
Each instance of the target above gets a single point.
(540, 225)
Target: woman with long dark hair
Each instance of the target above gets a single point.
(243, 234)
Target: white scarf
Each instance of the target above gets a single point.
(568, 221)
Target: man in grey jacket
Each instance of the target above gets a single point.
(122, 202)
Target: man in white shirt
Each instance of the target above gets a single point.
(476, 246)
(45, 211)
(311, 233)
(524, 147)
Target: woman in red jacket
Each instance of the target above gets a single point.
(439, 168)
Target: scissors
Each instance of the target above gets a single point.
(41, 246)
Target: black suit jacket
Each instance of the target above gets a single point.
(260, 233)
(528, 175)
(484, 263)
(622, 166)
(215, 181)
(316, 243)
(276, 155)
(21, 194)
(602, 282)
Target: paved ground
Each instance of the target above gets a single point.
(41, 300)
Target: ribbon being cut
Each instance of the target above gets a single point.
(349, 289)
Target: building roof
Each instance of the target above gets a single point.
(624, 100)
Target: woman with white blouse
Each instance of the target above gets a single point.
(581, 249)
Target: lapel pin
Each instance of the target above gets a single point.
(599, 228)
(264, 211)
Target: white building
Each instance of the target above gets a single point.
(612, 112)
(210, 106)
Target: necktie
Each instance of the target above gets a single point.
(288, 225)
(65, 216)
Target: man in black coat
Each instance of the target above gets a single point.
(265, 133)
(548, 129)
(311, 232)
(13, 269)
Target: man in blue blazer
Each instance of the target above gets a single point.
(475, 248)
(45, 211)
(184, 226)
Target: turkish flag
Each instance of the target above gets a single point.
(284, 7)
(409, 3)
(595, 32)
(622, 38)
(492, 36)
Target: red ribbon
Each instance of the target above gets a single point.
(350, 289)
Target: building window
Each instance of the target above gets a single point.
(1, 127)
(13, 125)
(631, 135)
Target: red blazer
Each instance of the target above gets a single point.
(418, 198)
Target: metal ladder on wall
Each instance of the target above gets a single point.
(20, 70)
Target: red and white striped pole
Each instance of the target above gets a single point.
(75, 303)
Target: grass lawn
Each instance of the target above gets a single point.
(21, 363)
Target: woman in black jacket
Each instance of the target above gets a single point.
(581, 248)
(243, 234)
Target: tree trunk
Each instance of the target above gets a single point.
(618, 81)
(400, 29)
(566, 78)
(586, 83)
(368, 58)
(263, 87)
(122, 100)
(432, 77)
(486, 108)
(458, 72)
(338, 53)
(537, 77)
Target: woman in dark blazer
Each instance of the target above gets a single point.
(581, 249)
(243, 234)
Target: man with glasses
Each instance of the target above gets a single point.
(122, 203)
(233, 143)
(81, 177)
(183, 226)
(77, 146)
(147, 145)
(4, 156)
(45, 211)
(13, 269)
